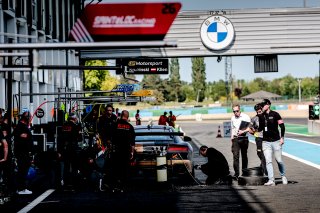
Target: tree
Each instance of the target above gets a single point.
(309, 87)
(217, 90)
(94, 78)
(174, 81)
(98, 79)
(187, 91)
(128, 80)
(152, 81)
(287, 85)
(199, 76)
(238, 92)
(109, 82)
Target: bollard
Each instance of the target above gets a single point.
(198, 117)
(161, 169)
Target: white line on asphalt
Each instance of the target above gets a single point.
(293, 133)
(302, 160)
(296, 158)
(36, 201)
(316, 144)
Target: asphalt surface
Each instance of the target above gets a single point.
(300, 195)
(146, 195)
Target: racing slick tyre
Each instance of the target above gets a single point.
(252, 177)
(254, 171)
(252, 181)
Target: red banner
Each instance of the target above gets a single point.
(132, 21)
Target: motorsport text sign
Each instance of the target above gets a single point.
(125, 21)
(145, 66)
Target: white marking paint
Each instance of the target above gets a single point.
(36, 201)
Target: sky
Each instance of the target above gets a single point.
(299, 66)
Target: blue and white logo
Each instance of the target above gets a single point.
(217, 32)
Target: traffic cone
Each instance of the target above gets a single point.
(219, 133)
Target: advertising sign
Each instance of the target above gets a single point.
(227, 129)
(217, 32)
(123, 88)
(145, 66)
(40, 113)
(129, 21)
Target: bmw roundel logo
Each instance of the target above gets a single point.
(217, 32)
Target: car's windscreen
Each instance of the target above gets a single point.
(154, 138)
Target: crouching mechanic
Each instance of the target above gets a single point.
(217, 167)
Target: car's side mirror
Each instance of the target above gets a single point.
(187, 138)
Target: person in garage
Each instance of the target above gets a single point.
(123, 142)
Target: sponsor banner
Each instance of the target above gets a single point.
(129, 21)
(123, 88)
(227, 129)
(145, 66)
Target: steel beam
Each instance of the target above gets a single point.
(63, 67)
(88, 45)
(105, 99)
(64, 93)
(13, 69)
(13, 54)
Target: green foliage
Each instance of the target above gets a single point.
(109, 83)
(155, 83)
(174, 71)
(216, 90)
(173, 91)
(128, 79)
(287, 86)
(187, 90)
(198, 77)
(152, 81)
(309, 87)
(94, 79)
(159, 98)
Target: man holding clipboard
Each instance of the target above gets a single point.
(240, 142)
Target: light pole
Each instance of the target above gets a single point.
(299, 81)
(198, 95)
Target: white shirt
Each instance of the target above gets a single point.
(236, 121)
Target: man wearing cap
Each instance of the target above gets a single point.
(240, 142)
(273, 141)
